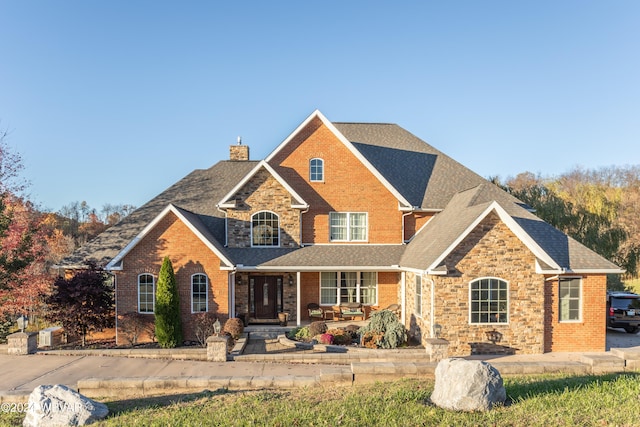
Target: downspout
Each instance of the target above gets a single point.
(115, 293)
(404, 215)
(226, 226)
(301, 213)
(232, 293)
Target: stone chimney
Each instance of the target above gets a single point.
(239, 152)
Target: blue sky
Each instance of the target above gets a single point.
(114, 101)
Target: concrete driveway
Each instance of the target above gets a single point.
(618, 338)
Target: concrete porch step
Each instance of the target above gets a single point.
(603, 363)
(627, 353)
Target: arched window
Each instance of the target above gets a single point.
(489, 301)
(199, 293)
(265, 229)
(316, 170)
(146, 293)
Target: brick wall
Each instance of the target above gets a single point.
(587, 335)
(189, 255)
(348, 186)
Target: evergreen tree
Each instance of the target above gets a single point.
(167, 308)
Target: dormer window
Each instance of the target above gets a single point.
(316, 170)
(265, 229)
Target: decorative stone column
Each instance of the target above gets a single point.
(437, 349)
(217, 348)
(22, 343)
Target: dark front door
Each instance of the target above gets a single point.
(267, 295)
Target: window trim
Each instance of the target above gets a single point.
(311, 169)
(153, 293)
(580, 299)
(278, 227)
(337, 288)
(418, 286)
(348, 227)
(508, 302)
(206, 293)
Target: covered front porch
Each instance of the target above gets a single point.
(264, 297)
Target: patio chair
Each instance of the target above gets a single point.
(351, 310)
(315, 312)
(395, 308)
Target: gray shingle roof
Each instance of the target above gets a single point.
(426, 177)
(197, 192)
(467, 206)
(320, 256)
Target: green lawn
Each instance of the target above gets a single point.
(549, 400)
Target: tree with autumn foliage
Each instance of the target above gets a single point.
(598, 207)
(24, 279)
(23, 276)
(83, 303)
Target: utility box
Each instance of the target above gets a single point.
(50, 337)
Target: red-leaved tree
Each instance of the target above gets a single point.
(83, 303)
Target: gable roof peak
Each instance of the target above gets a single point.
(297, 201)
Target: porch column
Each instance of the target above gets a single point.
(298, 315)
(403, 297)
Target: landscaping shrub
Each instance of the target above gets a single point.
(291, 333)
(325, 339)
(5, 327)
(303, 334)
(203, 327)
(384, 330)
(132, 325)
(167, 308)
(317, 328)
(235, 327)
(341, 336)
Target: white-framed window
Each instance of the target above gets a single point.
(199, 293)
(265, 229)
(348, 226)
(146, 293)
(316, 170)
(489, 301)
(369, 287)
(348, 286)
(570, 291)
(418, 297)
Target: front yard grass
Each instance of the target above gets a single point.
(540, 400)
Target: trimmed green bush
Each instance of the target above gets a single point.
(167, 308)
(384, 330)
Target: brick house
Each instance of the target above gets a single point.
(367, 213)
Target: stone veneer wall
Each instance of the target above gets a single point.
(419, 326)
(262, 193)
(288, 295)
(491, 250)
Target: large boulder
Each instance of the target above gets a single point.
(58, 405)
(467, 385)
